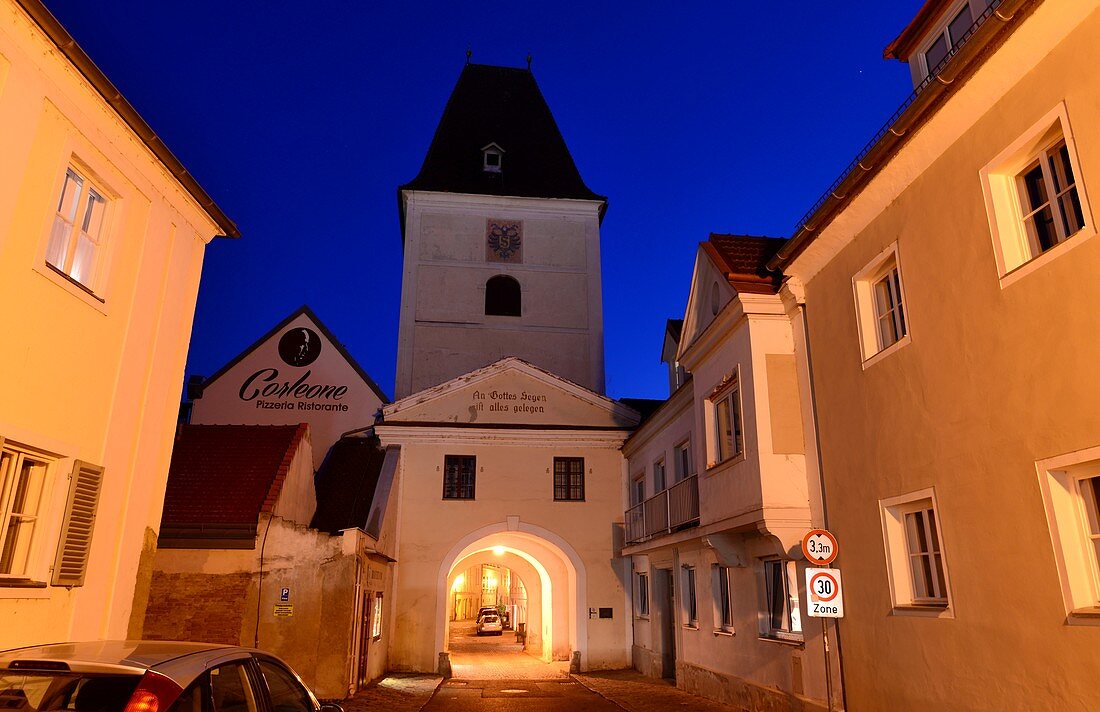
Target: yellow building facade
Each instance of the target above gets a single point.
(950, 282)
(102, 235)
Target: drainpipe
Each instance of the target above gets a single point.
(804, 311)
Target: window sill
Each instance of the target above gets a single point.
(1089, 615)
(1039, 261)
(724, 632)
(21, 583)
(71, 286)
(642, 617)
(922, 610)
(568, 500)
(879, 355)
(793, 642)
(730, 461)
(688, 626)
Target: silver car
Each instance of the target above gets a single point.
(150, 676)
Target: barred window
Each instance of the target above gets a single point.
(569, 479)
(459, 474)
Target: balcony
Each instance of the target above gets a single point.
(665, 512)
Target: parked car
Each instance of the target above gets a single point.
(486, 611)
(490, 623)
(150, 676)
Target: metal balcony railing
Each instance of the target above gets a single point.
(664, 512)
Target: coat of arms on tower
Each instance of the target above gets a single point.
(504, 240)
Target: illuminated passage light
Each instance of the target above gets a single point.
(498, 550)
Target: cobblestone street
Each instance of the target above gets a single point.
(496, 657)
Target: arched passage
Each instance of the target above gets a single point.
(545, 558)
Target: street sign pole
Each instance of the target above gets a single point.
(828, 667)
(820, 548)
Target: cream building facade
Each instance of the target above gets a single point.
(102, 235)
(950, 285)
(721, 492)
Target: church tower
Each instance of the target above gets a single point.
(501, 242)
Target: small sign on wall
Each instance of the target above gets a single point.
(284, 594)
(284, 610)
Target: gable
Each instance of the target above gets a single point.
(511, 392)
(700, 312)
(296, 373)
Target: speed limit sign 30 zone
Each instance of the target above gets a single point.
(826, 596)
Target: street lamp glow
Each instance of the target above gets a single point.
(498, 550)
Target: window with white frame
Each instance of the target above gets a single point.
(76, 238)
(659, 483)
(914, 551)
(782, 616)
(723, 599)
(1070, 486)
(376, 617)
(22, 486)
(691, 603)
(948, 37)
(641, 594)
(637, 489)
(1034, 194)
(880, 304)
(682, 461)
(727, 432)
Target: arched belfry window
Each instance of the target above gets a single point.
(502, 296)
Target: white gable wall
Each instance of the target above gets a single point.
(327, 393)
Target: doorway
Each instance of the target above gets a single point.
(664, 596)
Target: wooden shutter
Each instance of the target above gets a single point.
(71, 564)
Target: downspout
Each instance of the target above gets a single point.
(821, 484)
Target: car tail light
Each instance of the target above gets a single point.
(155, 693)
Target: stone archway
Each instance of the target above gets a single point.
(551, 570)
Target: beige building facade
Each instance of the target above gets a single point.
(720, 494)
(514, 467)
(950, 286)
(102, 236)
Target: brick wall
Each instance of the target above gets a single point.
(206, 608)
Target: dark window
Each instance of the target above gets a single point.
(569, 479)
(502, 296)
(231, 689)
(458, 476)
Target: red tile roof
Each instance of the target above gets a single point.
(228, 474)
(743, 259)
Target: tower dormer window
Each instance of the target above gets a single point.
(492, 156)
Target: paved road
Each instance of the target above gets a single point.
(521, 695)
(496, 657)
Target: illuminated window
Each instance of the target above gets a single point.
(77, 234)
(376, 617)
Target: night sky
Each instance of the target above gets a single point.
(301, 119)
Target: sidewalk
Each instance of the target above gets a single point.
(395, 693)
(635, 692)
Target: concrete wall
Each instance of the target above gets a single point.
(444, 331)
(217, 596)
(96, 376)
(998, 375)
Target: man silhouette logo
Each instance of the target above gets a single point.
(300, 347)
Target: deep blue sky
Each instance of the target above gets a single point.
(300, 119)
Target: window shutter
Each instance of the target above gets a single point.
(76, 532)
